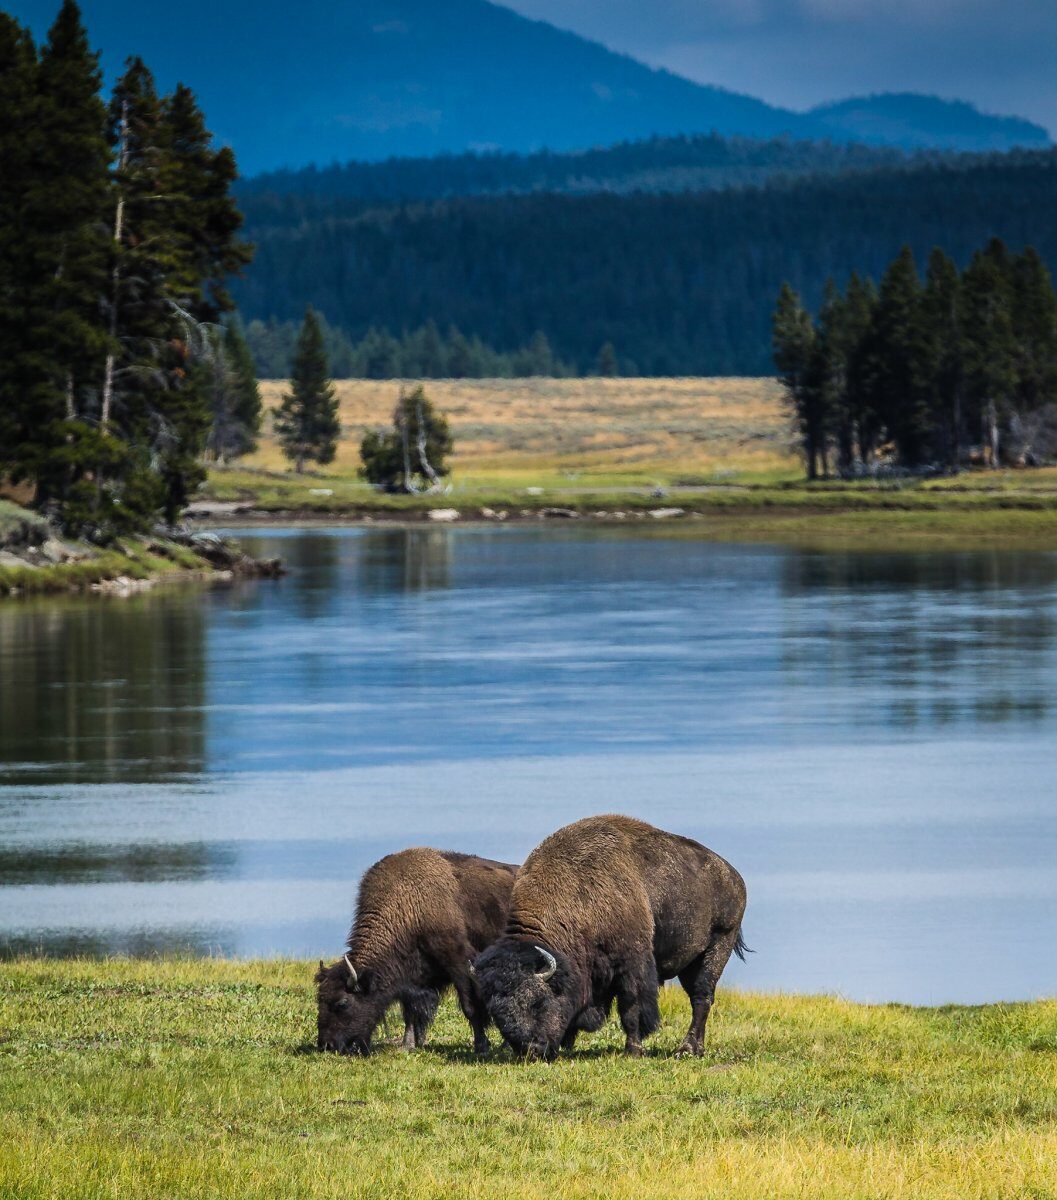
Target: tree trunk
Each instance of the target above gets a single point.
(427, 469)
(119, 226)
(992, 433)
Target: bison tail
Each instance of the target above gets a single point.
(740, 949)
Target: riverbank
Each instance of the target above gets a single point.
(36, 560)
(715, 457)
(1015, 509)
(195, 1078)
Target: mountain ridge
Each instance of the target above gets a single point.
(330, 81)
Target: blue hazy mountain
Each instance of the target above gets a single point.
(288, 84)
(914, 121)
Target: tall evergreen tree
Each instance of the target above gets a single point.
(460, 355)
(900, 393)
(202, 217)
(606, 365)
(249, 410)
(1034, 317)
(62, 263)
(941, 353)
(797, 359)
(306, 422)
(18, 102)
(990, 359)
(230, 381)
(829, 371)
(859, 383)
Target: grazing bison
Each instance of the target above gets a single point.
(421, 916)
(604, 910)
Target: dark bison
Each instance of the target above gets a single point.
(421, 916)
(604, 910)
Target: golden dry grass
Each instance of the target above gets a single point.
(628, 429)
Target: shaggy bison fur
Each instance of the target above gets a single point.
(421, 916)
(606, 909)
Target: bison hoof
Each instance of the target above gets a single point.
(482, 1049)
(690, 1050)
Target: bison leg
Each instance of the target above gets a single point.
(419, 1007)
(475, 1012)
(700, 979)
(637, 1004)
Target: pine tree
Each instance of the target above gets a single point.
(306, 422)
(62, 263)
(793, 339)
(990, 351)
(901, 399)
(249, 410)
(229, 379)
(1034, 317)
(424, 355)
(941, 353)
(833, 346)
(606, 364)
(412, 454)
(460, 355)
(860, 304)
(202, 218)
(18, 102)
(539, 356)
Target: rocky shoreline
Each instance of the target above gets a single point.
(228, 512)
(35, 559)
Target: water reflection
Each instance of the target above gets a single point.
(93, 689)
(869, 737)
(918, 641)
(407, 560)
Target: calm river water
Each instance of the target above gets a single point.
(870, 738)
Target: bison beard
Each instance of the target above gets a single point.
(617, 907)
(421, 916)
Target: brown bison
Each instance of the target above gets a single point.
(605, 910)
(421, 916)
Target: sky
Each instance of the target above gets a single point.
(999, 54)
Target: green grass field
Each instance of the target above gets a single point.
(193, 1079)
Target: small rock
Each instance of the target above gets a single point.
(533, 491)
(663, 514)
(444, 514)
(563, 513)
(321, 491)
(12, 560)
(489, 514)
(54, 551)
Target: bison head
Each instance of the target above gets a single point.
(349, 1008)
(528, 991)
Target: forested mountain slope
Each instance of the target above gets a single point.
(699, 162)
(679, 283)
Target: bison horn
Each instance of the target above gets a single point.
(471, 969)
(352, 971)
(550, 968)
